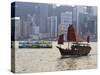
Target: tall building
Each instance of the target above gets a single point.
(84, 20)
(80, 18)
(61, 9)
(75, 19)
(66, 19)
(43, 17)
(52, 26)
(16, 31)
(79, 12)
(52, 10)
(29, 26)
(92, 10)
(25, 30)
(31, 20)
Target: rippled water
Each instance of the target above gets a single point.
(43, 60)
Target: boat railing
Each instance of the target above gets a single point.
(81, 44)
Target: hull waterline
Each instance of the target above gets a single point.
(82, 51)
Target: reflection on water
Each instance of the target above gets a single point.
(41, 60)
(85, 62)
(70, 63)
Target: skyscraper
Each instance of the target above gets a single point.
(80, 16)
(85, 20)
(43, 15)
(52, 26)
(66, 19)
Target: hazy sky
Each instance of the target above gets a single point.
(64, 2)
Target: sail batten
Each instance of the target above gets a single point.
(72, 36)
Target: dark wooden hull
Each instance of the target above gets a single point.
(81, 51)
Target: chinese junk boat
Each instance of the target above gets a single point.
(77, 47)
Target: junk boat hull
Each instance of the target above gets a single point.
(80, 51)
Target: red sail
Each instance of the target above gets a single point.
(71, 34)
(61, 39)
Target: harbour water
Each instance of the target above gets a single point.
(44, 60)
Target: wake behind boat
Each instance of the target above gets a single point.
(77, 48)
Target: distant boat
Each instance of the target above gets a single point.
(77, 47)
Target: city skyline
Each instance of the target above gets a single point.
(41, 21)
